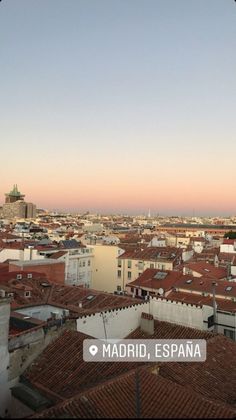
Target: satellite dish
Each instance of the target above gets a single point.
(161, 291)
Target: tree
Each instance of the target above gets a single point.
(230, 235)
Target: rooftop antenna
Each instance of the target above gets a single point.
(104, 326)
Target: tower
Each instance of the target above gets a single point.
(14, 195)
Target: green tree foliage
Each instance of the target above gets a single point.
(230, 235)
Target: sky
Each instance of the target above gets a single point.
(119, 105)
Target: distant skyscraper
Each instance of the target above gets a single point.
(149, 213)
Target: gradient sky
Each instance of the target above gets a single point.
(119, 105)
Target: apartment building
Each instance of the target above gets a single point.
(131, 264)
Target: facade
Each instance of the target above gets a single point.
(78, 261)
(194, 311)
(104, 277)
(54, 270)
(13, 210)
(17, 251)
(78, 265)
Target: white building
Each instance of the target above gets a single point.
(78, 264)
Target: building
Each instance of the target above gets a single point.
(16, 207)
(78, 260)
(104, 277)
(14, 195)
(153, 282)
(53, 269)
(131, 264)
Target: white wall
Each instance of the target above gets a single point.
(79, 264)
(19, 254)
(117, 323)
(228, 248)
(105, 266)
(180, 313)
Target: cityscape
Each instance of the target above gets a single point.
(117, 209)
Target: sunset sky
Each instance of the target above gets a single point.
(119, 105)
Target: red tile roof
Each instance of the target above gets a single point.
(207, 269)
(158, 398)
(198, 299)
(204, 284)
(65, 375)
(77, 299)
(60, 373)
(229, 241)
(148, 280)
(153, 254)
(215, 378)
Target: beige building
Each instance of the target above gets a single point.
(13, 210)
(177, 240)
(133, 263)
(104, 275)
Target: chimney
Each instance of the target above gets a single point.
(147, 323)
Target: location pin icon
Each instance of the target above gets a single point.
(93, 350)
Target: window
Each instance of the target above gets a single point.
(228, 288)
(140, 265)
(210, 321)
(129, 274)
(119, 273)
(119, 263)
(229, 334)
(19, 276)
(129, 264)
(118, 288)
(27, 294)
(151, 265)
(89, 263)
(83, 263)
(29, 276)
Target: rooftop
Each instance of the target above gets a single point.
(156, 279)
(153, 253)
(59, 377)
(118, 398)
